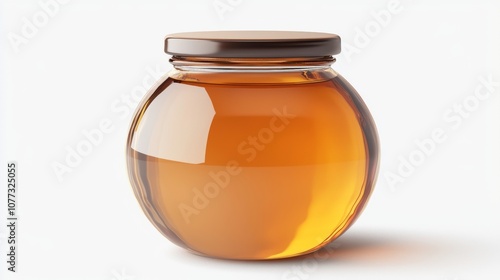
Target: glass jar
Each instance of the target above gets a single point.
(253, 147)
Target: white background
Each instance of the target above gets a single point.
(442, 222)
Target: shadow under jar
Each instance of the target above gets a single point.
(252, 148)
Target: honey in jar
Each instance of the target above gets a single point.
(252, 148)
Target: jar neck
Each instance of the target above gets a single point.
(251, 64)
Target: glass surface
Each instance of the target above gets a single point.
(252, 165)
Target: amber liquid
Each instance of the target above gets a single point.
(255, 170)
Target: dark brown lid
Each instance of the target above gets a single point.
(252, 44)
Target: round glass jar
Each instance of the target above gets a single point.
(252, 148)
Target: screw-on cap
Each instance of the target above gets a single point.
(252, 44)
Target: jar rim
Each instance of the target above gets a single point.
(252, 44)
